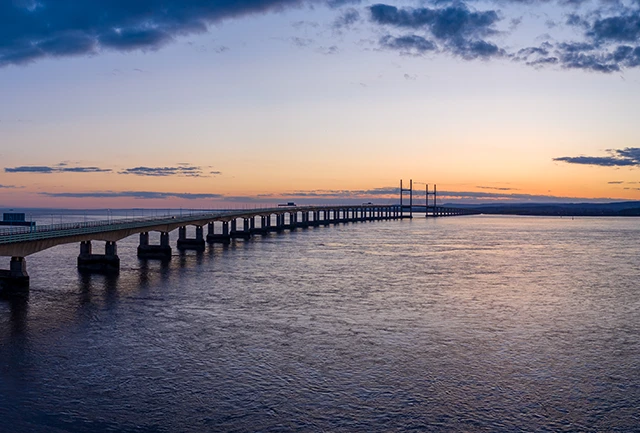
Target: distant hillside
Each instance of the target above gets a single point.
(626, 208)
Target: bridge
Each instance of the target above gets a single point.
(221, 227)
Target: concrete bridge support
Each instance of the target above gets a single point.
(267, 224)
(242, 234)
(316, 219)
(293, 220)
(107, 262)
(196, 243)
(263, 229)
(221, 238)
(162, 251)
(16, 279)
(304, 220)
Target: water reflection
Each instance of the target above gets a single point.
(18, 313)
(150, 270)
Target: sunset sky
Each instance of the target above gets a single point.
(202, 103)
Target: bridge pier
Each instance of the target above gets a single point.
(242, 234)
(304, 220)
(15, 280)
(162, 251)
(293, 221)
(107, 262)
(185, 243)
(259, 230)
(221, 238)
(267, 224)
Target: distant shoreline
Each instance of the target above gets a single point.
(619, 209)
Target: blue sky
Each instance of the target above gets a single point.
(156, 103)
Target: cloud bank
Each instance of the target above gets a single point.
(34, 29)
(61, 168)
(627, 157)
(179, 170)
(146, 195)
(456, 28)
(609, 33)
(599, 35)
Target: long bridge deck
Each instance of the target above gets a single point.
(20, 242)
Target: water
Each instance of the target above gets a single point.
(455, 324)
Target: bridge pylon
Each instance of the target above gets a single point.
(403, 206)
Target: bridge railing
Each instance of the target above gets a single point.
(18, 234)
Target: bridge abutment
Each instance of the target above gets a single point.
(107, 262)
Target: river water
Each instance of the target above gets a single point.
(453, 324)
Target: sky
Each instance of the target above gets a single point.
(209, 104)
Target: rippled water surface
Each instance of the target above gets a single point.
(455, 324)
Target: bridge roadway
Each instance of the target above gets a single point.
(18, 243)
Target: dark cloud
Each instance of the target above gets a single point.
(31, 30)
(615, 182)
(145, 195)
(84, 170)
(581, 55)
(536, 56)
(542, 50)
(179, 170)
(458, 29)
(8, 186)
(571, 58)
(215, 173)
(478, 49)
(444, 23)
(622, 28)
(576, 20)
(611, 33)
(611, 42)
(61, 168)
(30, 169)
(409, 44)
(627, 157)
